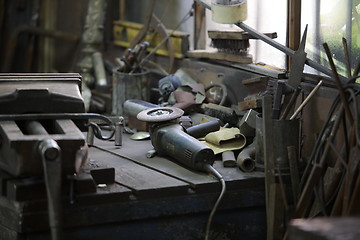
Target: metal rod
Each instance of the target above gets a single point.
(118, 133)
(75, 116)
(35, 128)
(51, 159)
(307, 99)
(291, 103)
(244, 160)
(347, 57)
(317, 170)
(285, 50)
(99, 69)
(338, 83)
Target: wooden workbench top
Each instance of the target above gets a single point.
(144, 188)
(162, 174)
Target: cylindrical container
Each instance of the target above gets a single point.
(128, 86)
(229, 11)
(285, 133)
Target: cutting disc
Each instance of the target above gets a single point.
(160, 114)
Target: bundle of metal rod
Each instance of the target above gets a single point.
(335, 191)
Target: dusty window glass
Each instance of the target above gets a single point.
(330, 21)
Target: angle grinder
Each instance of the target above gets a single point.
(169, 138)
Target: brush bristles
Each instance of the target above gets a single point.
(231, 45)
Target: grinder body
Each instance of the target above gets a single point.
(170, 139)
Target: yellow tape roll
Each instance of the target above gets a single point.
(229, 14)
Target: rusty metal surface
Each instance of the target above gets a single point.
(17, 155)
(28, 96)
(36, 93)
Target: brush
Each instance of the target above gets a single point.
(233, 42)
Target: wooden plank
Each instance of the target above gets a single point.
(144, 181)
(250, 104)
(199, 26)
(216, 55)
(294, 23)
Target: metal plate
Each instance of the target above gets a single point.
(160, 114)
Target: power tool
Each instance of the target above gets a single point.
(169, 138)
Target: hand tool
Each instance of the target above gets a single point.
(169, 138)
(234, 42)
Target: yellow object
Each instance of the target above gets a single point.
(124, 32)
(225, 139)
(229, 14)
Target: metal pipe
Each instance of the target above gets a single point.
(74, 116)
(228, 159)
(244, 160)
(335, 75)
(99, 69)
(35, 128)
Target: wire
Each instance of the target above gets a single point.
(211, 170)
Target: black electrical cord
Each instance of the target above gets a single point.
(208, 168)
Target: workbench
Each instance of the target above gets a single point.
(151, 198)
